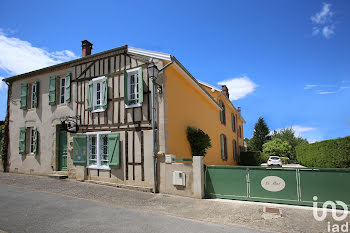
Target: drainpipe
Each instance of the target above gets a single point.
(154, 127)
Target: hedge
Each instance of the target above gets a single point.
(328, 154)
(251, 158)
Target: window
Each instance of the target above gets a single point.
(222, 112)
(63, 91)
(233, 118)
(97, 94)
(98, 150)
(31, 140)
(223, 147)
(134, 88)
(240, 132)
(33, 96)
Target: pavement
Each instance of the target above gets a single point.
(292, 165)
(40, 204)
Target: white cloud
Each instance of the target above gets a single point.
(328, 31)
(326, 89)
(326, 92)
(18, 56)
(3, 85)
(239, 87)
(310, 86)
(324, 15)
(324, 22)
(298, 130)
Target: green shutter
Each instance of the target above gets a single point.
(35, 140)
(52, 90)
(233, 119)
(114, 150)
(36, 95)
(79, 149)
(22, 140)
(90, 96)
(126, 100)
(222, 147)
(140, 86)
(68, 81)
(104, 93)
(24, 91)
(234, 149)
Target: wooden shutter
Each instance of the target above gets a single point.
(52, 90)
(79, 149)
(68, 82)
(140, 81)
(234, 149)
(222, 146)
(35, 140)
(126, 99)
(22, 140)
(114, 150)
(24, 91)
(233, 119)
(90, 96)
(104, 93)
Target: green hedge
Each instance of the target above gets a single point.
(251, 158)
(329, 154)
(284, 160)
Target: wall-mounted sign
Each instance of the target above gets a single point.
(70, 124)
(273, 183)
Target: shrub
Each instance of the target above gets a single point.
(277, 147)
(251, 158)
(330, 153)
(284, 160)
(198, 140)
(264, 157)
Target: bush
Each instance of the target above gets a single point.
(264, 157)
(284, 160)
(251, 158)
(198, 140)
(277, 147)
(329, 154)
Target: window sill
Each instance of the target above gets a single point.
(133, 105)
(97, 167)
(99, 110)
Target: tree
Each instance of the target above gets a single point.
(199, 141)
(260, 136)
(288, 134)
(277, 147)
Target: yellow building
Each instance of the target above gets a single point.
(197, 104)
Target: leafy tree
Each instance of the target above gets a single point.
(277, 147)
(260, 136)
(288, 134)
(199, 141)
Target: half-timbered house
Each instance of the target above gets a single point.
(91, 118)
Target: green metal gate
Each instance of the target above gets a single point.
(278, 185)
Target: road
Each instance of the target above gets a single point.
(25, 210)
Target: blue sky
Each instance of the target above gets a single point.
(288, 61)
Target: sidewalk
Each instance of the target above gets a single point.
(235, 213)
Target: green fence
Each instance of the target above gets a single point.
(278, 185)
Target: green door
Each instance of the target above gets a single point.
(62, 151)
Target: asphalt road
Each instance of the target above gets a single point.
(24, 210)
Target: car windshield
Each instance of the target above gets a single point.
(274, 157)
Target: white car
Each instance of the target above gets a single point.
(274, 161)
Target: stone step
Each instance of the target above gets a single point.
(58, 176)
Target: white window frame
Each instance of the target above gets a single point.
(136, 87)
(31, 140)
(95, 81)
(32, 102)
(98, 148)
(64, 90)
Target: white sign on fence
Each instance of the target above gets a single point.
(273, 183)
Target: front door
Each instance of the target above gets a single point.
(62, 150)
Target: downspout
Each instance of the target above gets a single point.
(155, 188)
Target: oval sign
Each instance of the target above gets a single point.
(273, 183)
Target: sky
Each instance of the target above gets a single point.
(286, 61)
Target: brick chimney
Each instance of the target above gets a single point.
(224, 91)
(239, 110)
(86, 48)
